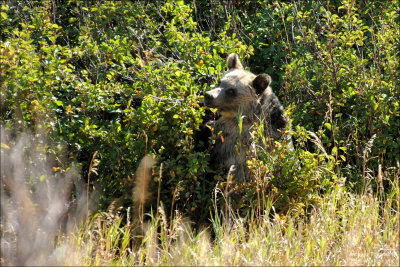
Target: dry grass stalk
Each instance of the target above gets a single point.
(366, 152)
(315, 139)
(380, 179)
(163, 216)
(159, 189)
(92, 169)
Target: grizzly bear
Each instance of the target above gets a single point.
(249, 95)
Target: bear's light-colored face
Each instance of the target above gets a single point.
(233, 90)
(237, 88)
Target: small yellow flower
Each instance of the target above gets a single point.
(69, 109)
(55, 169)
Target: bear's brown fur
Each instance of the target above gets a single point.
(242, 91)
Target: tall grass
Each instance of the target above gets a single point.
(342, 229)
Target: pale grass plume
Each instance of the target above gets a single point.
(315, 139)
(141, 189)
(34, 205)
(164, 221)
(143, 175)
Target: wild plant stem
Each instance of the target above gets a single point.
(87, 189)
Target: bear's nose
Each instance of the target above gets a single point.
(207, 96)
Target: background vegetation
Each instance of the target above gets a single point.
(100, 84)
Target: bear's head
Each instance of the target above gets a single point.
(237, 88)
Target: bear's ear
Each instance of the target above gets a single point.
(233, 62)
(261, 82)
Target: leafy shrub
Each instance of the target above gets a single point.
(344, 79)
(108, 77)
(338, 64)
(126, 79)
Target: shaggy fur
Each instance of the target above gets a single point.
(241, 90)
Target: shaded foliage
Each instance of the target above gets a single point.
(126, 79)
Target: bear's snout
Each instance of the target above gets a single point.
(210, 96)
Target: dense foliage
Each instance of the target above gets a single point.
(126, 79)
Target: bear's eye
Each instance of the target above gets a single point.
(230, 92)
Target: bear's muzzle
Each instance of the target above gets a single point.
(210, 96)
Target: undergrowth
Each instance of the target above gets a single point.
(47, 228)
(112, 90)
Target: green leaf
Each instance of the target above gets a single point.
(328, 126)
(58, 103)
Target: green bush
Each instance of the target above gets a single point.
(111, 78)
(338, 63)
(344, 76)
(126, 79)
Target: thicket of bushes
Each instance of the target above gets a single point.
(126, 79)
